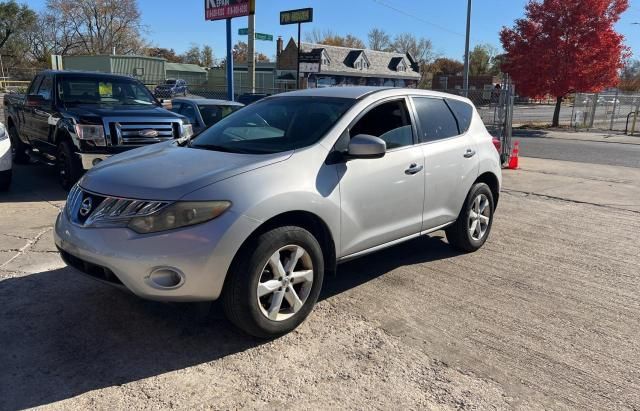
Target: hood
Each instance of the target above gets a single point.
(167, 172)
(90, 111)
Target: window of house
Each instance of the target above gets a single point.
(435, 118)
(390, 121)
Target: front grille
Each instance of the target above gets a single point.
(94, 210)
(139, 133)
(93, 270)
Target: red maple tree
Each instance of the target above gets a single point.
(565, 46)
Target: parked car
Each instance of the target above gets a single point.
(171, 88)
(203, 113)
(5, 159)
(249, 98)
(259, 206)
(74, 120)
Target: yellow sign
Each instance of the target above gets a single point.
(105, 89)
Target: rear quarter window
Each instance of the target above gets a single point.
(463, 112)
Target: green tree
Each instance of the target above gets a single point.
(481, 59)
(207, 56)
(446, 67)
(192, 55)
(15, 20)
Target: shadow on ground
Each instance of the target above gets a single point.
(63, 335)
(33, 182)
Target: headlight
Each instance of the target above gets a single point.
(187, 131)
(3, 132)
(180, 214)
(91, 132)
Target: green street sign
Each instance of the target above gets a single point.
(265, 37)
(258, 36)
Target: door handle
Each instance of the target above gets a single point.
(469, 153)
(413, 169)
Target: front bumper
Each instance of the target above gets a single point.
(119, 256)
(90, 160)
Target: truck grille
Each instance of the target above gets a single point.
(140, 133)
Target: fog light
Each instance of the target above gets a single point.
(166, 277)
(96, 161)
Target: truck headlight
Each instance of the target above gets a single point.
(91, 132)
(180, 214)
(187, 131)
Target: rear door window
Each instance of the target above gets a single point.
(463, 113)
(436, 119)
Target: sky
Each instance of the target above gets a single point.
(177, 25)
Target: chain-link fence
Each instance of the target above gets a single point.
(607, 111)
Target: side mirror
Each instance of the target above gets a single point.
(34, 100)
(366, 146)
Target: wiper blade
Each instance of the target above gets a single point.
(215, 147)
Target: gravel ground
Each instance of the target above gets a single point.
(547, 315)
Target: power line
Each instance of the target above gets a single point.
(383, 3)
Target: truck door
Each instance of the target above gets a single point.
(25, 113)
(41, 116)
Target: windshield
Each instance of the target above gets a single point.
(274, 125)
(116, 91)
(211, 113)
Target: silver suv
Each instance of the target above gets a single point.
(257, 208)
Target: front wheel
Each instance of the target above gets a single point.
(69, 168)
(472, 228)
(275, 282)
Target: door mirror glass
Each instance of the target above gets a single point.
(367, 146)
(34, 100)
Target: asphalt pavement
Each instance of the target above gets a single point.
(541, 145)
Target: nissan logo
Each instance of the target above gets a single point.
(85, 207)
(148, 133)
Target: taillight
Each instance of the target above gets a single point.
(497, 144)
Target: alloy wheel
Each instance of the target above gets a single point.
(479, 217)
(285, 283)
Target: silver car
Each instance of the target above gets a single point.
(257, 208)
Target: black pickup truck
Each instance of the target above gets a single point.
(73, 120)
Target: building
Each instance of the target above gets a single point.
(265, 77)
(149, 70)
(193, 74)
(324, 66)
(443, 82)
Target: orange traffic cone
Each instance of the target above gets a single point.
(513, 161)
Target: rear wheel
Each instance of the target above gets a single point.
(275, 282)
(472, 228)
(68, 166)
(18, 148)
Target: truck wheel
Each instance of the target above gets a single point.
(472, 228)
(274, 283)
(18, 148)
(69, 168)
(5, 180)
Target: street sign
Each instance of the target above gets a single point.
(258, 36)
(265, 37)
(296, 16)
(309, 67)
(227, 9)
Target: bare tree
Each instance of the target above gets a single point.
(330, 38)
(52, 34)
(207, 56)
(192, 55)
(101, 25)
(421, 49)
(379, 40)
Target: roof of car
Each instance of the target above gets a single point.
(354, 92)
(358, 92)
(208, 101)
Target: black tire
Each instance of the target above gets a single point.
(240, 295)
(18, 148)
(458, 234)
(68, 166)
(5, 180)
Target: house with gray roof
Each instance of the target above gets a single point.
(325, 66)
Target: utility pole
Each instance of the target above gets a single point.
(298, 58)
(465, 85)
(251, 55)
(229, 64)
